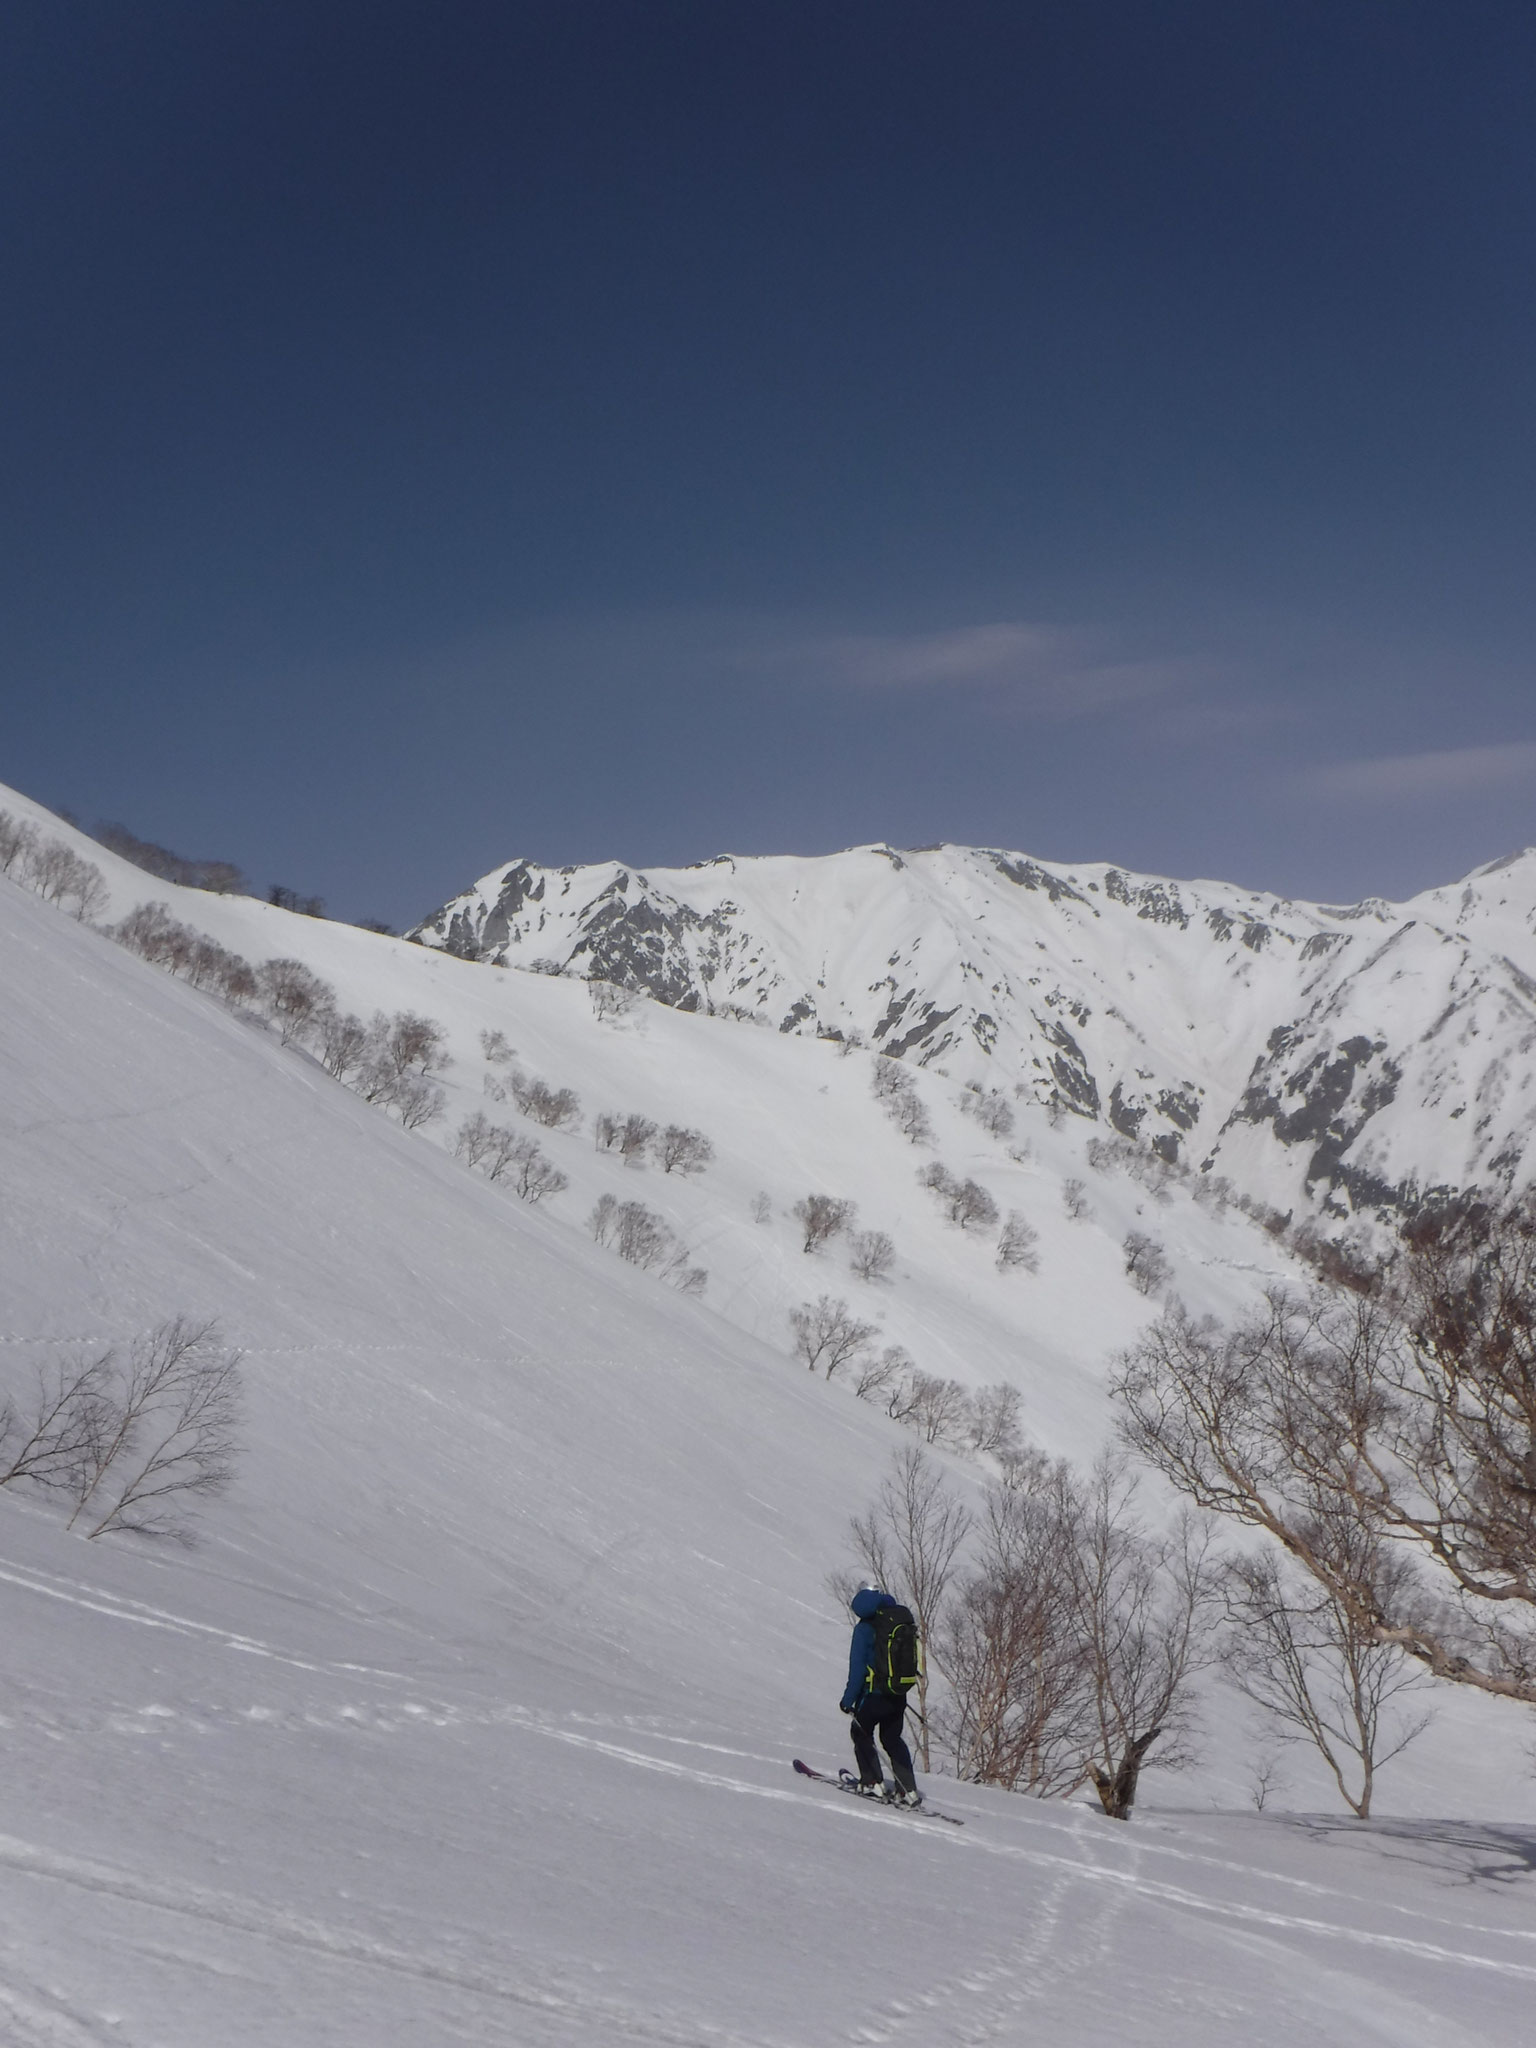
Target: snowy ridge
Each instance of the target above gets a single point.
(1348, 1055)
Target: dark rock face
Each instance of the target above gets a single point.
(1326, 1102)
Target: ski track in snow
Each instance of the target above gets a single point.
(600, 2018)
(444, 1713)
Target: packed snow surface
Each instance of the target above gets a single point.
(470, 1716)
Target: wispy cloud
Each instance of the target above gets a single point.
(1057, 671)
(1448, 772)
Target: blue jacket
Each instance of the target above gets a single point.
(864, 1604)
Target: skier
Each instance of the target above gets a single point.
(875, 1696)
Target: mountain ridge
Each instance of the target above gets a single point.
(1187, 1016)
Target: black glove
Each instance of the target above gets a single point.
(844, 1710)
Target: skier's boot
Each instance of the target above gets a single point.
(875, 1791)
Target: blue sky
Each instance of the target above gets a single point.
(648, 428)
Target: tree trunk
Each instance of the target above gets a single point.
(1117, 1793)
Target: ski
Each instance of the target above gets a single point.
(846, 1782)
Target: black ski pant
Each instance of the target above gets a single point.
(882, 1713)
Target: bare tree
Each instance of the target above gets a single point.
(1406, 1405)
(409, 1044)
(821, 1218)
(684, 1151)
(872, 1376)
(1146, 1263)
(872, 1254)
(496, 1049)
(1139, 1606)
(533, 1175)
(909, 1539)
(293, 996)
(342, 1041)
(416, 1101)
(991, 1109)
(762, 1207)
(828, 1334)
(896, 1092)
(556, 1108)
(604, 1215)
(965, 1202)
(1019, 1708)
(1316, 1674)
(164, 1429)
(888, 1077)
(1018, 1245)
(608, 1000)
(641, 1236)
(939, 1410)
(994, 1428)
(476, 1139)
(17, 838)
(49, 1444)
(1074, 1197)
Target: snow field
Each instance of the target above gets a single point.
(470, 1717)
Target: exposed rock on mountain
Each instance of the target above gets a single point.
(1355, 1056)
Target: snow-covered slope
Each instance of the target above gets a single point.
(1351, 1055)
(469, 1718)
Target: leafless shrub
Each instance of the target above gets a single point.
(17, 839)
(828, 1334)
(1317, 1673)
(57, 873)
(632, 1139)
(409, 1044)
(1018, 1711)
(219, 877)
(1074, 1199)
(896, 1092)
(872, 1376)
(684, 1151)
(167, 1430)
(641, 1236)
(128, 1440)
(601, 1222)
(477, 1137)
(991, 1109)
(1018, 1245)
(909, 1540)
(556, 1108)
(342, 1041)
(49, 1443)
(1074, 1650)
(1146, 1263)
(872, 1254)
(532, 1173)
(283, 898)
(762, 1207)
(939, 1410)
(821, 1218)
(992, 1427)
(416, 1101)
(888, 1077)
(609, 1001)
(850, 1042)
(150, 931)
(965, 1202)
(1407, 1408)
(496, 1049)
(292, 996)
